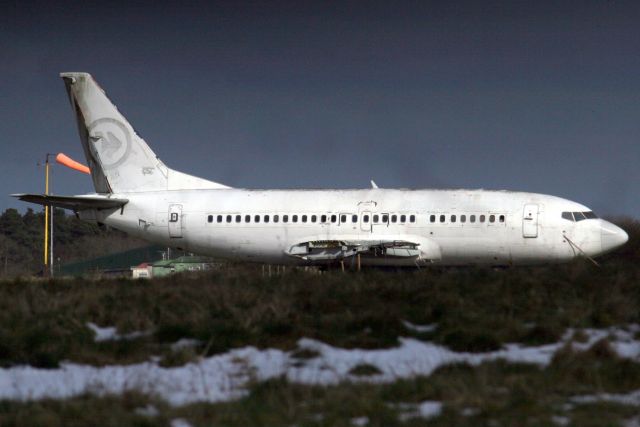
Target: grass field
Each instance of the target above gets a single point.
(475, 310)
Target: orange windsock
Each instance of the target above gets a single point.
(70, 163)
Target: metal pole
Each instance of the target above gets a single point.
(51, 241)
(45, 269)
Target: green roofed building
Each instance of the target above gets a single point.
(143, 262)
(177, 265)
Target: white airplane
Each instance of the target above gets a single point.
(138, 194)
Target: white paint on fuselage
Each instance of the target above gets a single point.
(489, 243)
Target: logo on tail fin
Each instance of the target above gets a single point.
(110, 142)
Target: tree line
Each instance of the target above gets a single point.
(22, 236)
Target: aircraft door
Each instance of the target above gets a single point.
(365, 220)
(530, 221)
(365, 215)
(175, 221)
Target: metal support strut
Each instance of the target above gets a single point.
(575, 246)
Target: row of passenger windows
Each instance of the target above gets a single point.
(353, 218)
(323, 219)
(471, 218)
(578, 216)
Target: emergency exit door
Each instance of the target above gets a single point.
(175, 221)
(530, 221)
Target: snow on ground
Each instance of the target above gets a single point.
(631, 399)
(419, 328)
(185, 343)
(110, 333)
(360, 421)
(560, 420)
(224, 377)
(427, 409)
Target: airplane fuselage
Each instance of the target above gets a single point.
(453, 227)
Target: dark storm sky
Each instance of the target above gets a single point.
(532, 96)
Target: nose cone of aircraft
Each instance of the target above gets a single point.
(612, 236)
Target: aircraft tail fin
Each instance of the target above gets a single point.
(119, 159)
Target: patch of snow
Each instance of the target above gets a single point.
(110, 333)
(148, 411)
(470, 412)
(568, 407)
(102, 334)
(179, 422)
(430, 409)
(419, 328)
(185, 343)
(560, 420)
(631, 399)
(360, 421)
(427, 409)
(632, 422)
(224, 377)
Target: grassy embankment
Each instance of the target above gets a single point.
(42, 323)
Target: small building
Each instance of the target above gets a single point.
(142, 271)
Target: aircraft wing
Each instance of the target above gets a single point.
(401, 247)
(76, 203)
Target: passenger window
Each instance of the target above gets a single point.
(501, 218)
(256, 218)
(412, 218)
(266, 218)
(294, 218)
(432, 218)
(238, 218)
(219, 218)
(343, 218)
(403, 218)
(376, 219)
(334, 218)
(354, 218)
(472, 218)
(285, 218)
(247, 218)
(394, 218)
(385, 219)
(463, 218)
(492, 218)
(365, 218)
(482, 218)
(276, 218)
(313, 218)
(210, 218)
(453, 218)
(304, 218)
(228, 218)
(442, 218)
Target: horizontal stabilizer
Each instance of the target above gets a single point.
(76, 203)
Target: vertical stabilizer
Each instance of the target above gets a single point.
(120, 161)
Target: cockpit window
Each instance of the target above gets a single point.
(578, 216)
